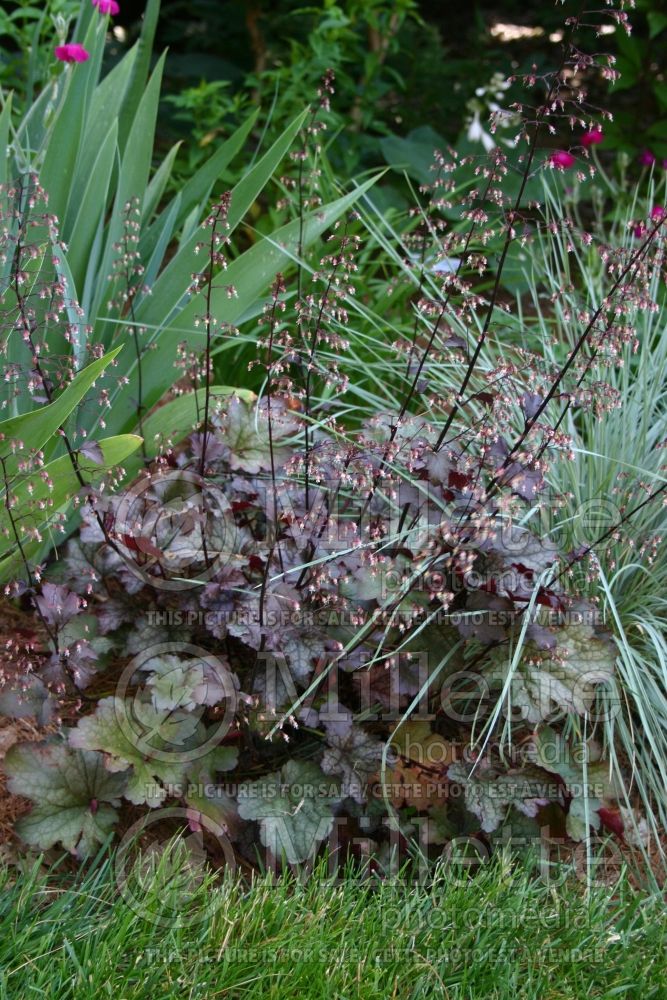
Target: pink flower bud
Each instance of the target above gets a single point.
(71, 53)
(646, 158)
(106, 7)
(658, 212)
(561, 158)
(593, 137)
(638, 230)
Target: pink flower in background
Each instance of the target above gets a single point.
(592, 137)
(640, 229)
(71, 53)
(561, 158)
(647, 158)
(107, 7)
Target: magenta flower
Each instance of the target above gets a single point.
(658, 212)
(71, 53)
(646, 158)
(106, 7)
(592, 137)
(561, 158)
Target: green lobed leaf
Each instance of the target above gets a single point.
(205, 798)
(490, 793)
(563, 680)
(294, 808)
(587, 781)
(353, 755)
(74, 795)
(123, 730)
(414, 153)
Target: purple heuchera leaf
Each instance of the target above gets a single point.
(525, 482)
(438, 466)
(498, 451)
(90, 531)
(528, 484)
(352, 754)
(543, 638)
(82, 660)
(57, 604)
(530, 404)
(112, 613)
(486, 617)
(214, 449)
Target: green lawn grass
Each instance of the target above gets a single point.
(500, 934)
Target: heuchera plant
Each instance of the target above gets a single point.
(296, 624)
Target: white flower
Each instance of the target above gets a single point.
(477, 134)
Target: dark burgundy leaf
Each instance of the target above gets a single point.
(612, 819)
(256, 564)
(139, 544)
(524, 570)
(548, 599)
(458, 480)
(524, 481)
(485, 397)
